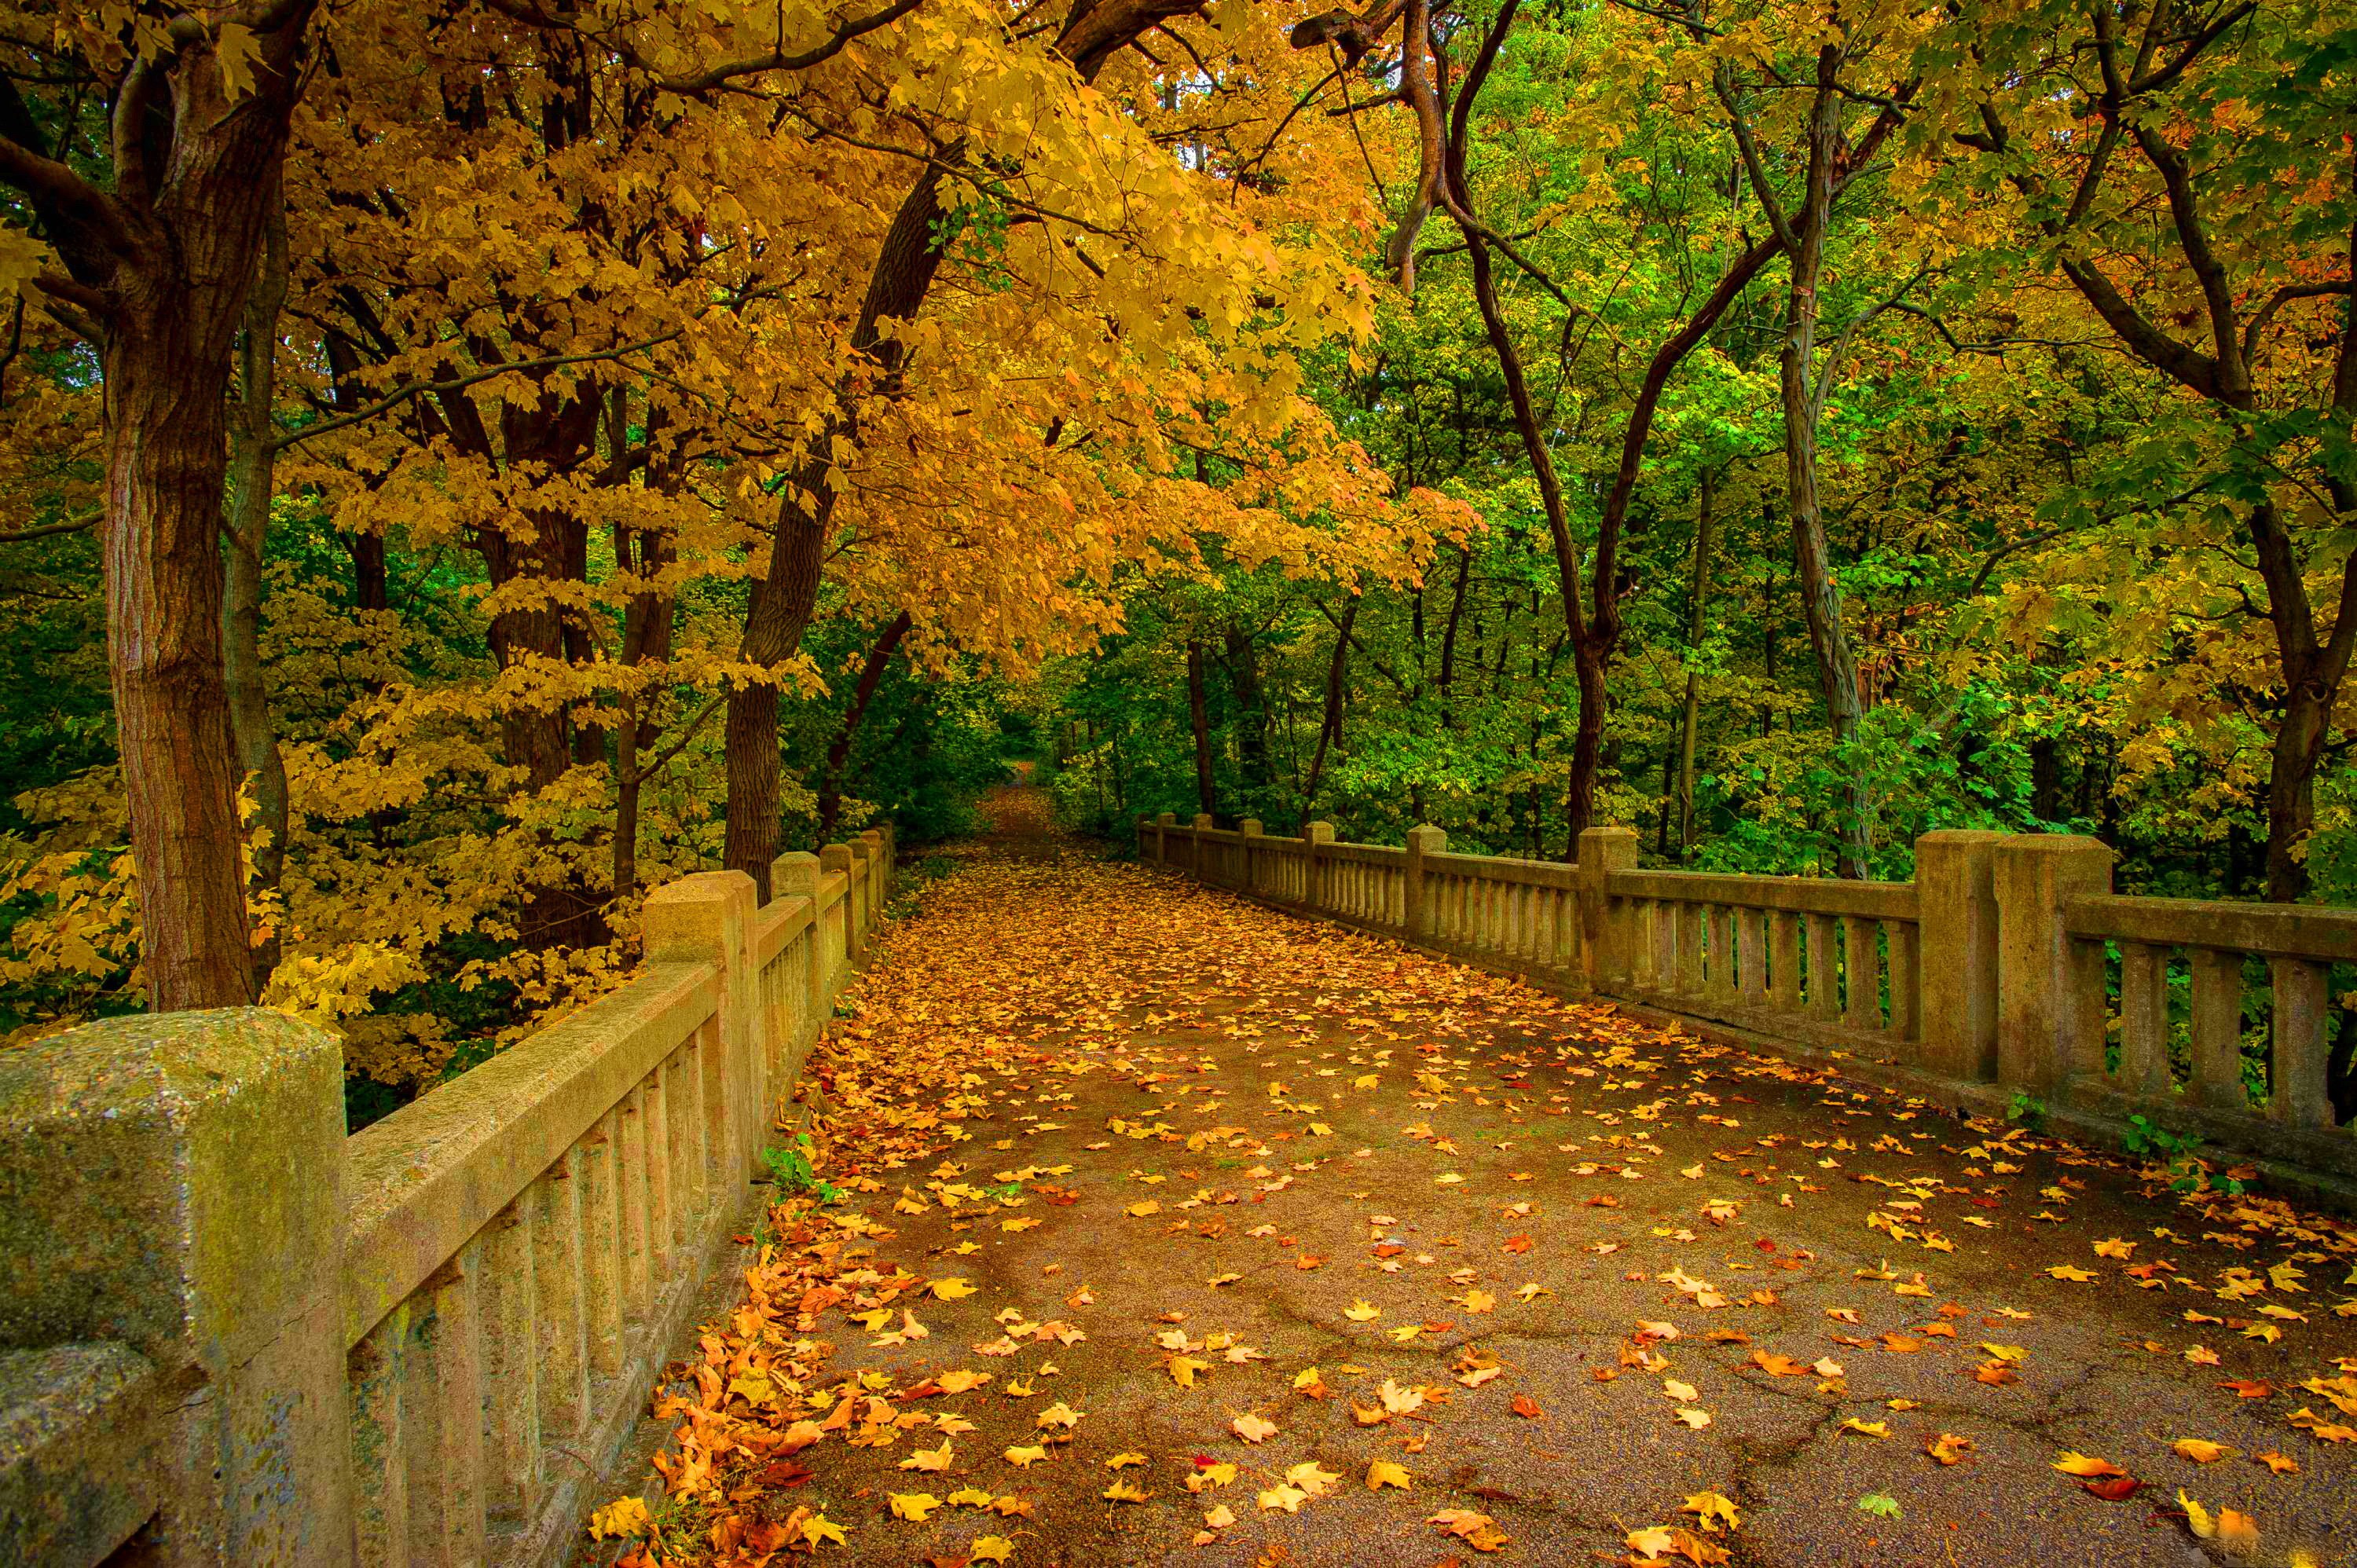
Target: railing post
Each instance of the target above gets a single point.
(878, 877)
(709, 918)
(795, 875)
(173, 1184)
(1313, 835)
(1252, 853)
(2048, 1023)
(1955, 891)
(833, 858)
(1604, 940)
(1162, 826)
(1421, 840)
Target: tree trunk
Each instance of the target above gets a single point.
(1706, 521)
(1201, 721)
(253, 468)
(647, 619)
(838, 751)
(1094, 32)
(1329, 731)
(1252, 712)
(1820, 602)
(164, 367)
(780, 612)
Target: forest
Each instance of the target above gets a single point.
(468, 463)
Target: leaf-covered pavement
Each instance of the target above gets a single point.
(1175, 1230)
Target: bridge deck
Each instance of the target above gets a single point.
(1204, 1170)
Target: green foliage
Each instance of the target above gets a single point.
(791, 1169)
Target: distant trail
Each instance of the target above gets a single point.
(1133, 1168)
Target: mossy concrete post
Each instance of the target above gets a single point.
(2049, 1021)
(709, 918)
(1162, 826)
(833, 858)
(795, 875)
(1955, 890)
(1421, 840)
(1607, 942)
(173, 1184)
(1314, 835)
(862, 894)
(1253, 852)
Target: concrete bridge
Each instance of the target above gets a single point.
(1356, 1203)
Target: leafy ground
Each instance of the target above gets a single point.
(1171, 1229)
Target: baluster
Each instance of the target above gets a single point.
(1861, 971)
(2090, 1005)
(555, 1199)
(1825, 968)
(2217, 1077)
(717, 1174)
(511, 1367)
(1692, 920)
(597, 1167)
(1751, 956)
(1720, 965)
(443, 1412)
(2297, 1091)
(683, 1106)
(1904, 937)
(654, 1127)
(1784, 961)
(380, 1457)
(2144, 1018)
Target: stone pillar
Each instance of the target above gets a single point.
(862, 894)
(2048, 1023)
(795, 875)
(173, 1184)
(1253, 854)
(1605, 939)
(879, 877)
(1422, 841)
(1955, 891)
(709, 918)
(1162, 826)
(1313, 835)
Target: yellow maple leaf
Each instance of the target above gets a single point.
(912, 1505)
(622, 1517)
(1384, 1473)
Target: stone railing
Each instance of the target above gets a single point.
(231, 1332)
(2007, 966)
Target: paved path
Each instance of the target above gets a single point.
(1149, 1167)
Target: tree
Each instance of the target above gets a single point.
(153, 269)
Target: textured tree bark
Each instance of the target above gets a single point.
(252, 471)
(157, 272)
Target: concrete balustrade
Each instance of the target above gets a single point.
(2007, 964)
(230, 1333)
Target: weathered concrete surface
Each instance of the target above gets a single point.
(172, 1184)
(1524, 1184)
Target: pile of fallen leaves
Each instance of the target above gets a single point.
(1059, 1053)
